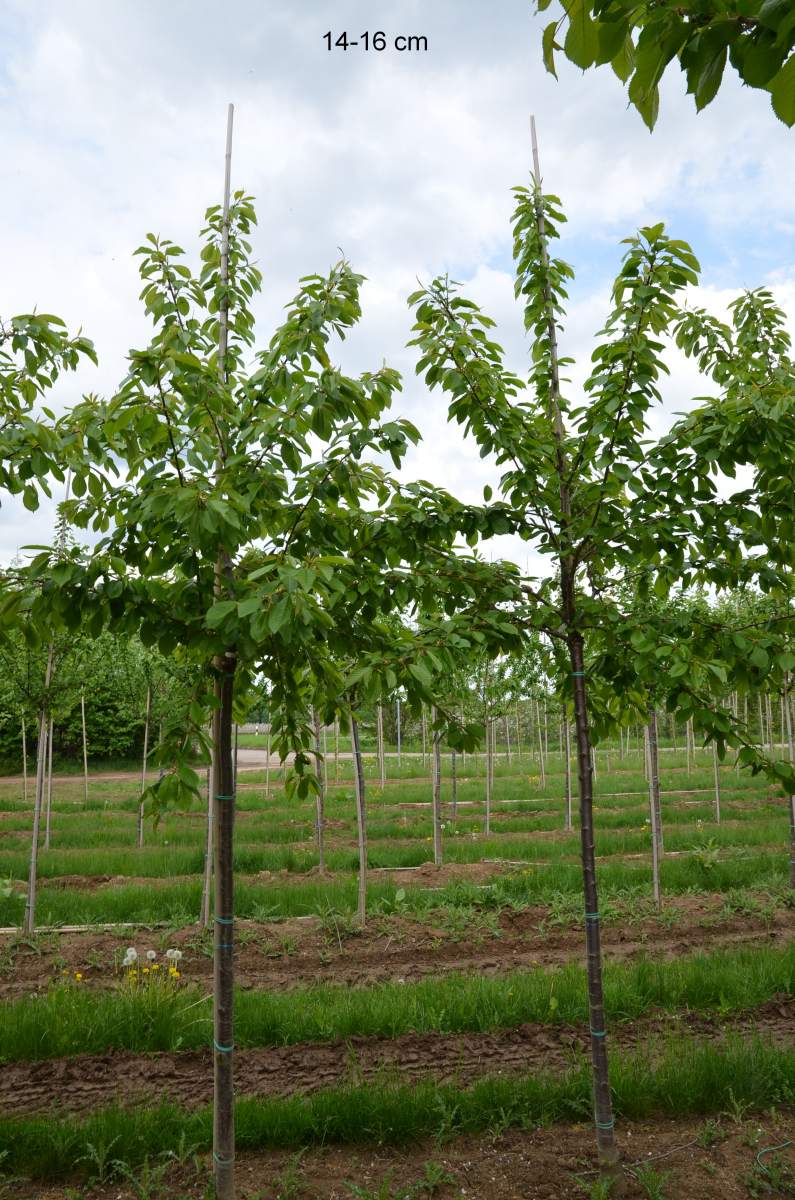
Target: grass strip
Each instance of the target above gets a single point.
(688, 1078)
(156, 1016)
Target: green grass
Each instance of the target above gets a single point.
(142, 1018)
(178, 903)
(687, 1077)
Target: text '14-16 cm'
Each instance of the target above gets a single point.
(376, 41)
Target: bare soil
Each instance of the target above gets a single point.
(699, 1162)
(297, 952)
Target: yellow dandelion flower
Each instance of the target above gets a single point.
(146, 971)
(155, 966)
(78, 975)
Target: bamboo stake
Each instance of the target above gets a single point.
(361, 820)
(85, 747)
(568, 825)
(716, 773)
(336, 749)
(437, 789)
(397, 721)
(224, 808)
(204, 916)
(140, 833)
(29, 923)
(320, 820)
(268, 762)
(424, 737)
(507, 740)
(49, 785)
(603, 1104)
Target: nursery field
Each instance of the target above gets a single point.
(441, 1050)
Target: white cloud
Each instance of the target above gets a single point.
(111, 124)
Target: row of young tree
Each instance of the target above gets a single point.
(243, 517)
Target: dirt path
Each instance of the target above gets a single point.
(86, 1082)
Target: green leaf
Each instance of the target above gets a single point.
(549, 46)
(582, 40)
(782, 92)
(219, 612)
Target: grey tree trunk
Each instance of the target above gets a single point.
(139, 841)
(205, 914)
(655, 814)
(716, 773)
(320, 817)
(791, 756)
(361, 820)
(437, 790)
(379, 733)
(49, 785)
(85, 747)
(24, 764)
(489, 775)
(29, 923)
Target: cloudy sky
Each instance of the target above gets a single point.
(112, 120)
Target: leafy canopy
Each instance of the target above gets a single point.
(641, 40)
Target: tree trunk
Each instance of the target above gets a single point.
(41, 756)
(791, 756)
(437, 789)
(603, 1105)
(320, 822)
(655, 814)
(49, 786)
(140, 834)
(424, 738)
(542, 768)
(361, 820)
(691, 748)
(204, 915)
(85, 747)
(379, 733)
(453, 785)
(716, 772)
(24, 764)
(518, 733)
(507, 740)
(224, 960)
(489, 776)
(336, 749)
(654, 780)
(397, 722)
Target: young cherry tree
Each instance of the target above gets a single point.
(585, 485)
(243, 517)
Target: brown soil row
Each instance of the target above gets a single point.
(85, 1082)
(535, 1164)
(279, 956)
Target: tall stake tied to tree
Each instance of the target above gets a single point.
(589, 489)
